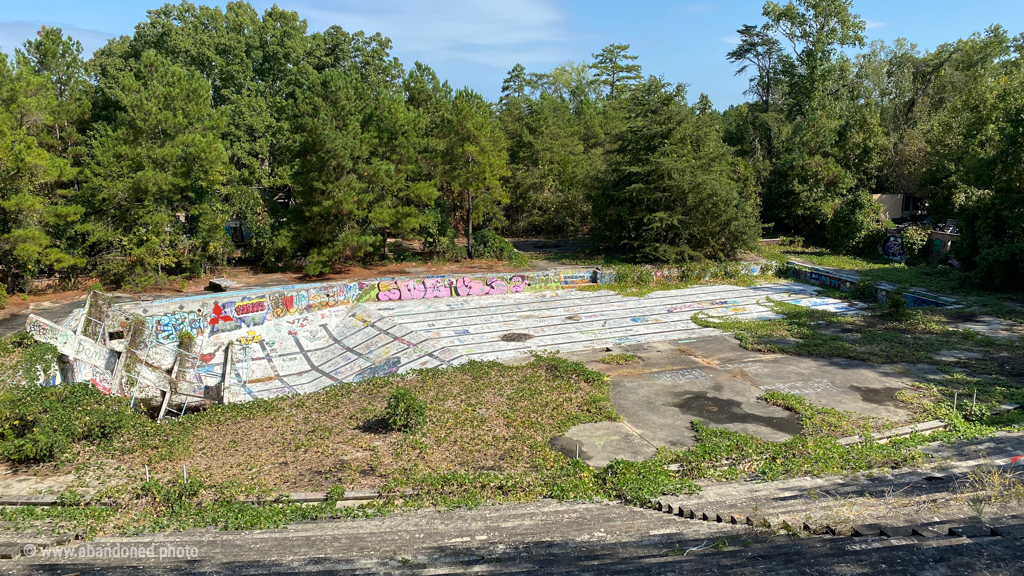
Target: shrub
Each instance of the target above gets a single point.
(915, 239)
(633, 275)
(619, 359)
(488, 244)
(3, 297)
(853, 222)
(405, 412)
(40, 423)
(896, 305)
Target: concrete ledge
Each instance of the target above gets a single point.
(845, 281)
(26, 500)
(902, 431)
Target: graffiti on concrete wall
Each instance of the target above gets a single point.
(821, 278)
(386, 368)
(314, 299)
(233, 315)
(167, 326)
(69, 344)
(388, 290)
(575, 278)
(85, 372)
(892, 248)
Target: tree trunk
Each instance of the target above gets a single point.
(469, 228)
(469, 217)
(385, 233)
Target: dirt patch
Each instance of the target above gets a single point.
(516, 337)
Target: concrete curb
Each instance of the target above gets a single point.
(358, 496)
(901, 432)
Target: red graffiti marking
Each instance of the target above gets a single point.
(205, 358)
(1015, 459)
(100, 386)
(250, 308)
(219, 316)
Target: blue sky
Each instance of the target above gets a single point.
(475, 42)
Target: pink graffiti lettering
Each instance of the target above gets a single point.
(436, 288)
(412, 290)
(496, 286)
(469, 287)
(388, 290)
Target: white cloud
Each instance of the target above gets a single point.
(13, 35)
(872, 24)
(497, 33)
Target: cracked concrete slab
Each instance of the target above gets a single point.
(717, 382)
(601, 442)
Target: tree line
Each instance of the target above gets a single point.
(127, 165)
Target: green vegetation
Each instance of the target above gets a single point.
(672, 191)
(912, 336)
(404, 411)
(873, 268)
(619, 359)
(42, 423)
(634, 280)
(487, 244)
(334, 148)
(24, 359)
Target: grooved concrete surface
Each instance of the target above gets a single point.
(546, 537)
(305, 353)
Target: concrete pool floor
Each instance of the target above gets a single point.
(717, 382)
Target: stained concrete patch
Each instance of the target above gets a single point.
(661, 405)
(991, 326)
(717, 382)
(954, 355)
(831, 382)
(721, 349)
(601, 442)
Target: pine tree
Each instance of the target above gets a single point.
(672, 192)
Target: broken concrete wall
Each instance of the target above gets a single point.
(263, 342)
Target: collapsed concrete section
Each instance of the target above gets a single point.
(260, 343)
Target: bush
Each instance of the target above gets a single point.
(849, 227)
(896, 305)
(41, 423)
(3, 297)
(488, 244)
(915, 239)
(405, 412)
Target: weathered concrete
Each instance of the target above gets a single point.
(991, 326)
(601, 442)
(717, 382)
(266, 342)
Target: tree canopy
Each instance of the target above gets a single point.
(133, 164)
